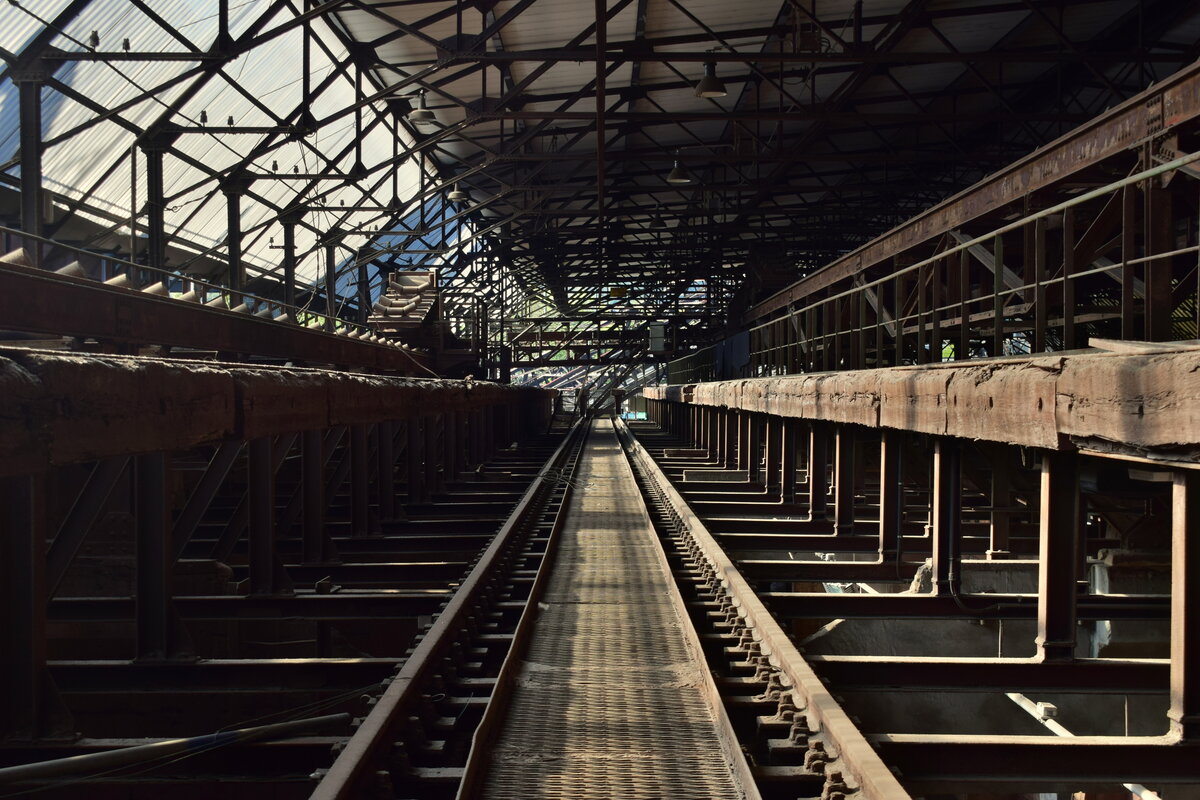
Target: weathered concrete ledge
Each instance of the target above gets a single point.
(1145, 403)
(60, 408)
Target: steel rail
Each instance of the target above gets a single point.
(844, 744)
(374, 738)
(490, 727)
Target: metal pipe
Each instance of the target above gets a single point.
(139, 754)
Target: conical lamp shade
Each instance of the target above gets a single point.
(421, 114)
(679, 174)
(710, 85)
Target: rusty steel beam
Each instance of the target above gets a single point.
(1153, 113)
(921, 674)
(1047, 763)
(60, 305)
(1141, 403)
(66, 408)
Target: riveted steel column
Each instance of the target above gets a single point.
(1001, 518)
(773, 460)
(154, 559)
(754, 447)
(261, 504)
(843, 487)
(891, 495)
(450, 446)
(290, 220)
(729, 446)
(1058, 557)
(714, 434)
(789, 444)
(312, 466)
(364, 288)
(23, 607)
(818, 460)
(745, 424)
(1185, 606)
(413, 468)
(331, 242)
(387, 470)
(947, 516)
(234, 187)
(429, 452)
(360, 480)
(29, 87)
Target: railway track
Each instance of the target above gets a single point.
(544, 675)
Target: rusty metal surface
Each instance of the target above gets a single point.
(858, 762)
(58, 408)
(45, 302)
(1177, 101)
(612, 697)
(376, 733)
(1137, 403)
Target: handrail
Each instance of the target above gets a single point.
(167, 274)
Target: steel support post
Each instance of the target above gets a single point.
(488, 427)
(29, 88)
(773, 459)
(754, 435)
(364, 289)
(450, 446)
(1036, 242)
(261, 505)
(947, 516)
(1058, 557)
(818, 461)
(429, 459)
(154, 560)
(330, 286)
(1129, 251)
(712, 427)
(360, 480)
(891, 495)
(729, 442)
(1185, 605)
(387, 470)
(843, 487)
(233, 190)
(788, 446)
(998, 296)
(312, 466)
(156, 208)
(414, 470)
(744, 424)
(1070, 337)
(1000, 519)
(1160, 238)
(474, 436)
(289, 221)
(27, 696)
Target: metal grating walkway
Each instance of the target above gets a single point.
(609, 701)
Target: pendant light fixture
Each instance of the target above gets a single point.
(678, 174)
(421, 115)
(457, 195)
(710, 85)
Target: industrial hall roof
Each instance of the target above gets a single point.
(653, 157)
